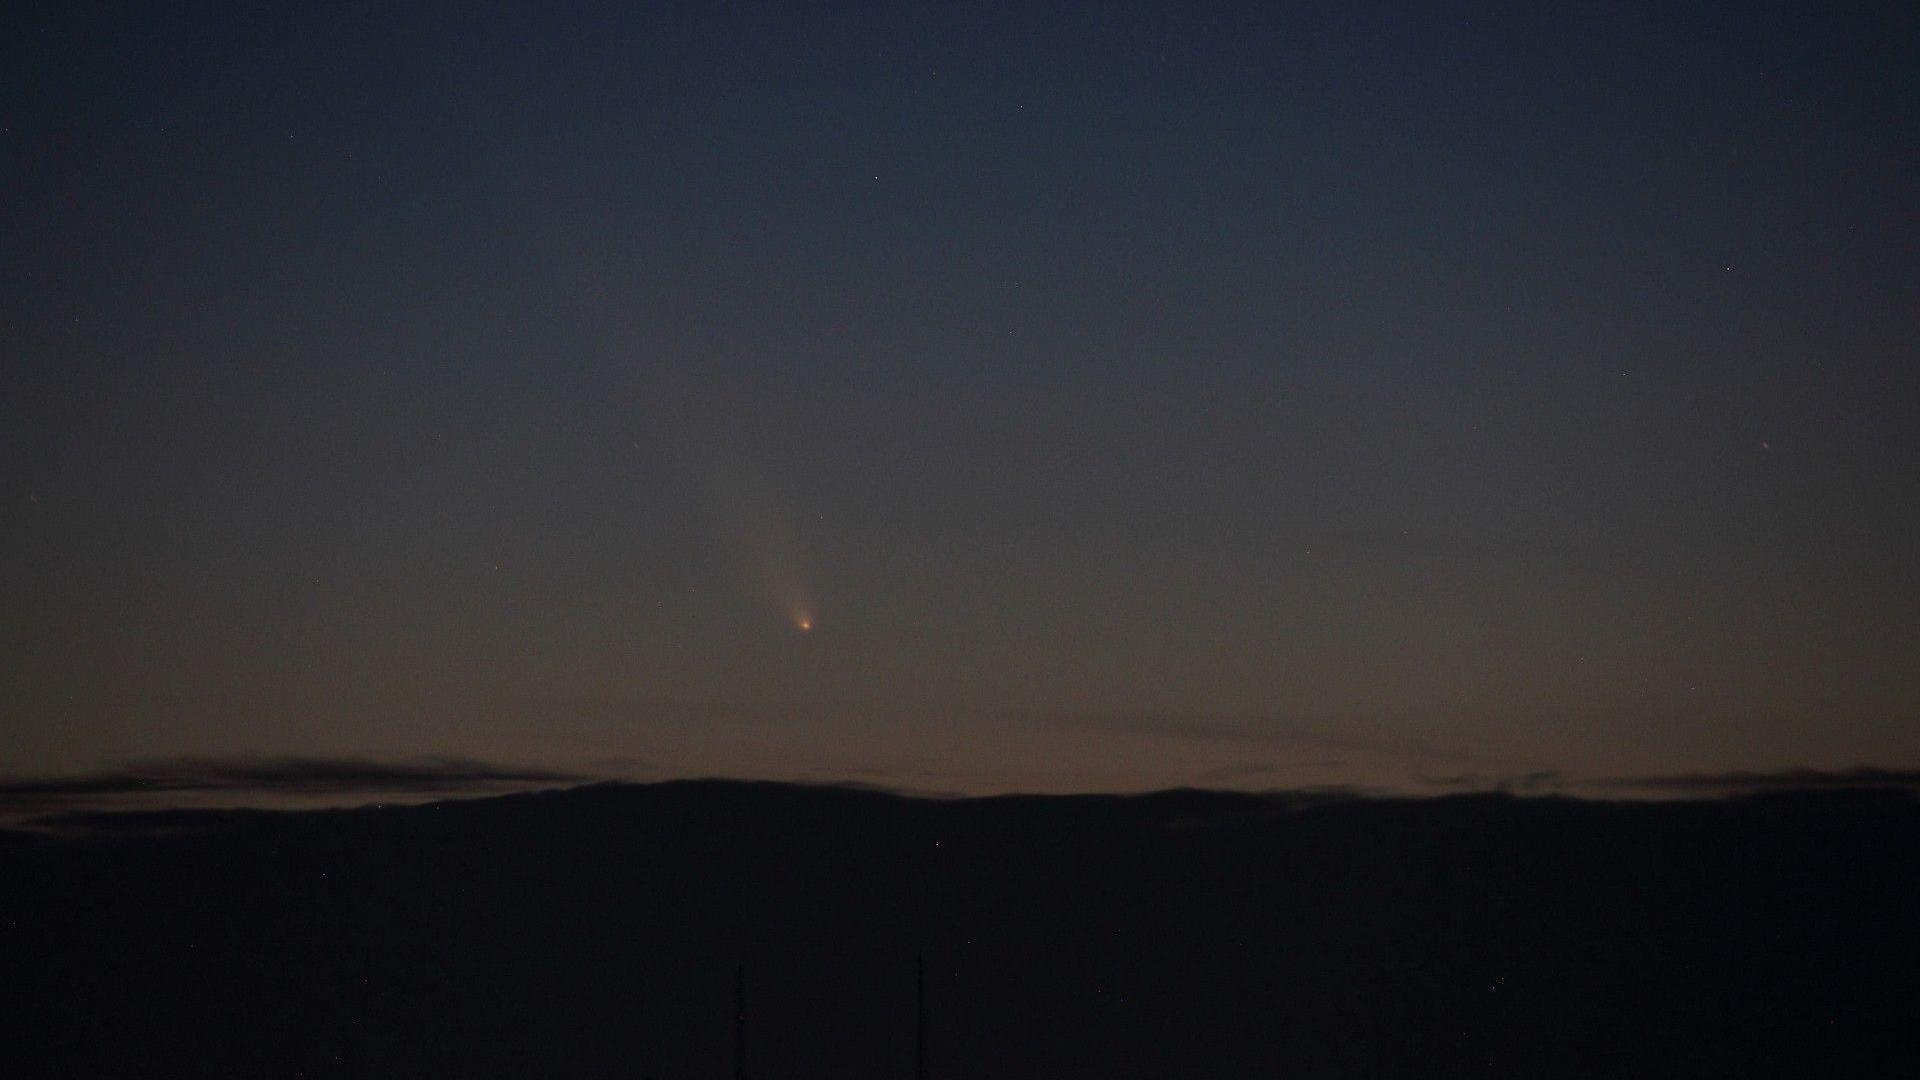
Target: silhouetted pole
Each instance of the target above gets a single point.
(920, 1017)
(740, 1023)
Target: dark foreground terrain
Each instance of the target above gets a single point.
(596, 932)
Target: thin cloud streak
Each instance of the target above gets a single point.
(291, 776)
(1750, 783)
(1542, 782)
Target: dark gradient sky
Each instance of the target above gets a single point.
(1265, 395)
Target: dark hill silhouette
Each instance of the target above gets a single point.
(596, 932)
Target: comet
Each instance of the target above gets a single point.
(752, 520)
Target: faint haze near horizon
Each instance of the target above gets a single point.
(242, 783)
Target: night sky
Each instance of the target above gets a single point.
(1123, 395)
